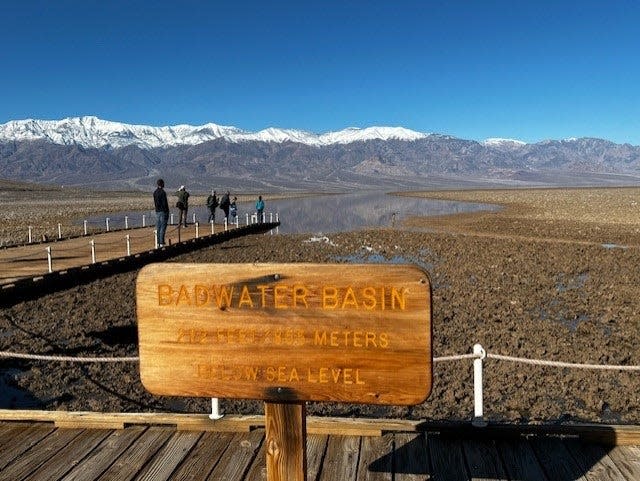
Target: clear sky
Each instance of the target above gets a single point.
(528, 70)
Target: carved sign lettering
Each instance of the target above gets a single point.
(286, 332)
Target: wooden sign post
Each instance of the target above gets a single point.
(286, 334)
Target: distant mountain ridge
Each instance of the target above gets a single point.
(90, 152)
(93, 132)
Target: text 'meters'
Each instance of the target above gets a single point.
(286, 332)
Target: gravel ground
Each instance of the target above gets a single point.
(532, 286)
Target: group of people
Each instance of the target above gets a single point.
(227, 206)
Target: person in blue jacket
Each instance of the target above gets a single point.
(260, 209)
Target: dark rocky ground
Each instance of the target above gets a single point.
(540, 295)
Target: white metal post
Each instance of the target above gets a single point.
(215, 409)
(171, 219)
(85, 227)
(144, 220)
(212, 228)
(49, 260)
(126, 221)
(107, 222)
(194, 217)
(155, 237)
(247, 215)
(128, 245)
(93, 251)
(270, 216)
(59, 230)
(30, 234)
(226, 224)
(237, 219)
(197, 228)
(478, 411)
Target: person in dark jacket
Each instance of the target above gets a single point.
(224, 204)
(212, 203)
(162, 212)
(182, 205)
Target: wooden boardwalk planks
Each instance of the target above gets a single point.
(43, 452)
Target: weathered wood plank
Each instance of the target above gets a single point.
(594, 461)
(127, 466)
(258, 469)
(19, 441)
(39, 454)
(203, 457)
(169, 456)
(520, 461)
(447, 458)
(556, 460)
(627, 459)
(483, 460)
(340, 461)
(376, 458)
(238, 456)
(69, 456)
(411, 458)
(103, 455)
(316, 447)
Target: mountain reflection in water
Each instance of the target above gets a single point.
(319, 214)
(344, 212)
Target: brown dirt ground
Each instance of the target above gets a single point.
(534, 280)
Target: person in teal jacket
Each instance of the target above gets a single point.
(260, 209)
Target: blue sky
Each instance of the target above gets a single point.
(473, 69)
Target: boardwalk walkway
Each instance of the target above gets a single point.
(80, 259)
(42, 452)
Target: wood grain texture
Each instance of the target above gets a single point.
(286, 332)
(285, 441)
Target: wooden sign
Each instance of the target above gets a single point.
(286, 332)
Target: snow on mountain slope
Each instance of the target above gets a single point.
(93, 132)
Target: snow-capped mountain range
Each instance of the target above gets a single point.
(92, 132)
(88, 151)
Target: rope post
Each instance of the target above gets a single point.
(107, 222)
(85, 227)
(155, 237)
(247, 216)
(197, 227)
(93, 251)
(478, 411)
(212, 228)
(128, 237)
(49, 260)
(271, 217)
(215, 409)
(194, 217)
(126, 221)
(59, 230)
(226, 224)
(171, 219)
(30, 234)
(144, 220)
(237, 220)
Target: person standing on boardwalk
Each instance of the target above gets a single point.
(162, 212)
(233, 210)
(182, 205)
(224, 205)
(260, 209)
(212, 203)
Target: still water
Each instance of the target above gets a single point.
(321, 214)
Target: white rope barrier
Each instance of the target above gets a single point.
(39, 357)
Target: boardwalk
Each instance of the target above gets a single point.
(42, 452)
(32, 259)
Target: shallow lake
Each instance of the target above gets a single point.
(319, 214)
